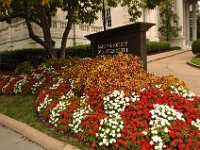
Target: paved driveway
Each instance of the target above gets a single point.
(177, 66)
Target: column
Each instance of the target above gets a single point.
(194, 20)
(187, 22)
(180, 12)
(179, 7)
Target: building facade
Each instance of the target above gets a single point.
(16, 36)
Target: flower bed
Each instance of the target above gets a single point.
(114, 104)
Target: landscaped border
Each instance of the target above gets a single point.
(192, 64)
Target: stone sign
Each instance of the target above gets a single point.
(128, 39)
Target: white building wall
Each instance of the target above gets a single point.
(121, 17)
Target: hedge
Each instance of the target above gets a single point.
(154, 46)
(9, 60)
(79, 51)
(196, 47)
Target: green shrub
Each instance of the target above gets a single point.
(196, 47)
(175, 48)
(81, 51)
(9, 60)
(25, 67)
(154, 46)
(68, 61)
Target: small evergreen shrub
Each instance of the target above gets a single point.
(196, 47)
(25, 67)
(155, 46)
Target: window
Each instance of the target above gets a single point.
(108, 17)
(54, 23)
(63, 24)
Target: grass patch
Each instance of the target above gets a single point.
(22, 109)
(196, 60)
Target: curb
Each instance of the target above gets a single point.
(192, 64)
(35, 135)
(160, 58)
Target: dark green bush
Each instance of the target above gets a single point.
(175, 48)
(9, 60)
(196, 47)
(154, 46)
(79, 51)
(24, 67)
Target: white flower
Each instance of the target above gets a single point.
(144, 132)
(112, 140)
(78, 116)
(196, 123)
(118, 135)
(151, 142)
(155, 138)
(107, 130)
(55, 113)
(166, 130)
(161, 115)
(158, 86)
(154, 132)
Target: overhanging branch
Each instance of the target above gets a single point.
(29, 26)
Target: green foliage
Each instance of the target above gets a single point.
(134, 7)
(175, 48)
(79, 51)
(196, 60)
(58, 63)
(196, 47)
(154, 46)
(9, 60)
(169, 20)
(24, 67)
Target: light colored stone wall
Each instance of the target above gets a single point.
(16, 36)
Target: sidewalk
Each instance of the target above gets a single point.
(33, 134)
(163, 55)
(10, 140)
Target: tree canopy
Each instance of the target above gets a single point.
(41, 12)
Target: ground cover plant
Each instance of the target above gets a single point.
(112, 103)
(196, 60)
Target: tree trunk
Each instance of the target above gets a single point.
(46, 32)
(47, 42)
(66, 32)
